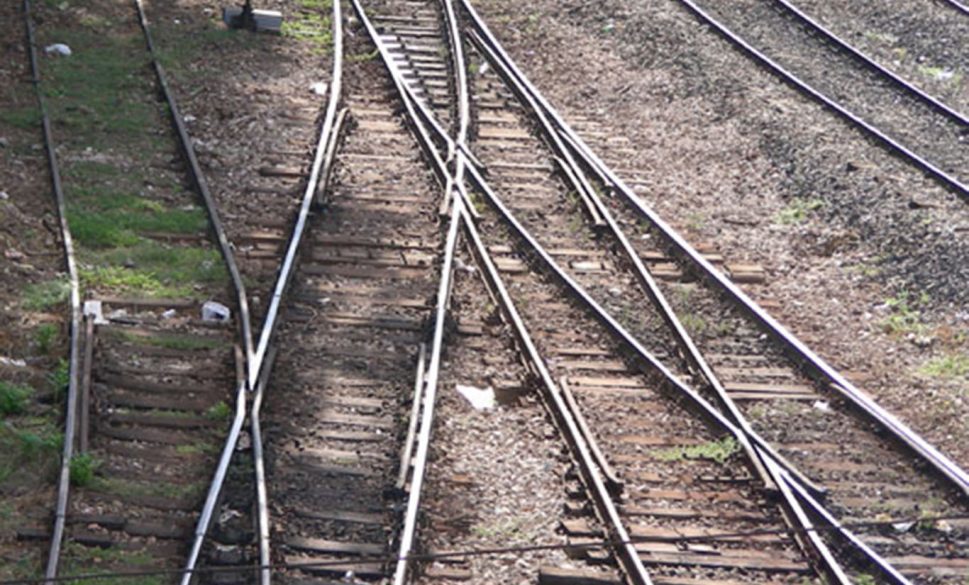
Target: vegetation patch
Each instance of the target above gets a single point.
(311, 24)
(83, 467)
(47, 294)
(904, 316)
(14, 398)
(718, 451)
(798, 210)
(947, 366)
(176, 342)
(219, 411)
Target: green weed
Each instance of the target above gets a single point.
(219, 411)
(27, 118)
(694, 324)
(311, 24)
(14, 398)
(152, 268)
(948, 366)
(865, 579)
(60, 378)
(798, 210)
(904, 317)
(82, 469)
(363, 57)
(45, 336)
(173, 341)
(718, 451)
(44, 295)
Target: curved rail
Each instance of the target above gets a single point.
(812, 362)
(70, 423)
(940, 175)
(963, 8)
(427, 398)
(874, 65)
(259, 360)
(202, 185)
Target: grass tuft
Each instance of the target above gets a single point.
(14, 398)
(82, 468)
(718, 451)
(949, 366)
(44, 295)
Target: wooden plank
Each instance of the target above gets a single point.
(373, 519)
(330, 566)
(548, 575)
(733, 560)
(320, 545)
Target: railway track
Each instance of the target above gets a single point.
(900, 116)
(683, 438)
(149, 377)
(749, 384)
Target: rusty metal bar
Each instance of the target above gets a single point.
(415, 413)
(84, 410)
(70, 421)
(612, 479)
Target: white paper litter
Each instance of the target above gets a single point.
(94, 309)
(319, 88)
(17, 363)
(58, 49)
(168, 314)
(462, 266)
(822, 405)
(213, 311)
(479, 398)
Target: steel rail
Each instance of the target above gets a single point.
(428, 398)
(74, 355)
(959, 6)
(423, 440)
(644, 278)
(820, 548)
(606, 507)
(896, 79)
(259, 469)
(918, 160)
(419, 114)
(202, 186)
(652, 364)
(270, 322)
(813, 363)
(791, 484)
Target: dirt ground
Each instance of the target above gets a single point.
(862, 250)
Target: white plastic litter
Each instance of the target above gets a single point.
(58, 49)
(213, 311)
(95, 309)
(168, 314)
(17, 363)
(903, 526)
(462, 266)
(4, 196)
(479, 398)
(822, 405)
(319, 88)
